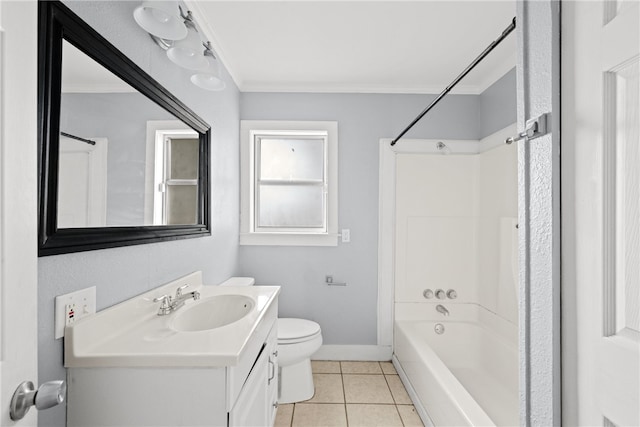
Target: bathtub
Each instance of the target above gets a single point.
(466, 376)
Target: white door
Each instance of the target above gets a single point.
(601, 212)
(82, 183)
(18, 202)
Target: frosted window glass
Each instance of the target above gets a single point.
(291, 159)
(184, 158)
(290, 206)
(182, 203)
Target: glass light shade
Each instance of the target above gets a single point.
(209, 78)
(161, 19)
(187, 52)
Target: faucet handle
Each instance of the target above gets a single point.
(440, 294)
(180, 289)
(452, 294)
(164, 299)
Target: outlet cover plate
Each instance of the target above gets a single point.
(82, 302)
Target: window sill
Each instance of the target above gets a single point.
(282, 239)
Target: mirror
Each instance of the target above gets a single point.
(122, 160)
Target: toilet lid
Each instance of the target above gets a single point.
(294, 329)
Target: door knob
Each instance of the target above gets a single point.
(49, 394)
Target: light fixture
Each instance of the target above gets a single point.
(187, 53)
(209, 78)
(161, 19)
(177, 33)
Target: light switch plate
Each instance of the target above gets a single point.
(72, 307)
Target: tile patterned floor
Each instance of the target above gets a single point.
(352, 394)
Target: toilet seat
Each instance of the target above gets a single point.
(292, 331)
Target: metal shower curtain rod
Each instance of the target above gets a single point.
(466, 71)
(88, 141)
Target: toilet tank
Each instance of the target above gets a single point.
(239, 281)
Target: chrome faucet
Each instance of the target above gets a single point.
(169, 304)
(442, 309)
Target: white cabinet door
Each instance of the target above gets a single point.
(273, 381)
(251, 407)
(601, 212)
(257, 403)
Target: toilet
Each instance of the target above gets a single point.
(298, 339)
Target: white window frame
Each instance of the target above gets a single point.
(249, 233)
(157, 131)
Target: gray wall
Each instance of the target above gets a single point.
(347, 315)
(122, 119)
(121, 273)
(498, 105)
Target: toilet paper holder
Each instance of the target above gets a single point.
(329, 281)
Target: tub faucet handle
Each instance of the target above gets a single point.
(452, 294)
(428, 293)
(440, 294)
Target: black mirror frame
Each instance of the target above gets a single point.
(57, 23)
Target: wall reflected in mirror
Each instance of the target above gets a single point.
(124, 160)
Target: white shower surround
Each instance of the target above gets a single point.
(488, 288)
(386, 222)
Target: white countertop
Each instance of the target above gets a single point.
(131, 334)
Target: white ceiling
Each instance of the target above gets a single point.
(81, 74)
(358, 46)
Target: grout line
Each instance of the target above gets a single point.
(400, 416)
(344, 395)
(340, 403)
(376, 404)
(390, 391)
(293, 410)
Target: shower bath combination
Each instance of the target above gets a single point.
(458, 237)
(458, 228)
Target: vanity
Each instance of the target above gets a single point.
(210, 362)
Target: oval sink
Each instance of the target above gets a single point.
(213, 312)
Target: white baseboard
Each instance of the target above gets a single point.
(417, 403)
(379, 353)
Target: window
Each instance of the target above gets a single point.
(289, 183)
(171, 196)
(177, 161)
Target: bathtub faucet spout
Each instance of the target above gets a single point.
(442, 309)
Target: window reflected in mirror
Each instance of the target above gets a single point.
(176, 184)
(123, 159)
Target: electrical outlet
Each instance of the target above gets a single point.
(73, 307)
(346, 235)
(69, 313)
